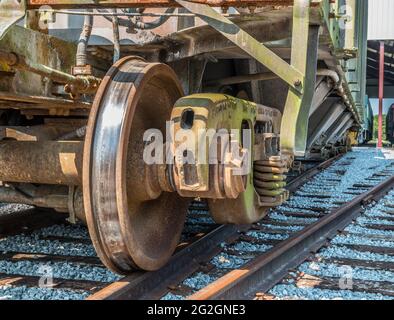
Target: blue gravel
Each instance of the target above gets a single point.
(250, 247)
(284, 207)
(303, 202)
(26, 293)
(353, 228)
(11, 208)
(60, 270)
(267, 236)
(282, 217)
(226, 261)
(171, 296)
(359, 240)
(344, 252)
(381, 214)
(284, 291)
(72, 231)
(32, 244)
(285, 228)
(374, 221)
(199, 220)
(199, 280)
(332, 270)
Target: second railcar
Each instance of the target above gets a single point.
(390, 124)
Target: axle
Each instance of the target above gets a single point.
(74, 84)
(216, 163)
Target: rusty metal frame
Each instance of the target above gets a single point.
(35, 4)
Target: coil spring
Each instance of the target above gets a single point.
(270, 180)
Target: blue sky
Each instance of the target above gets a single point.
(386, 105)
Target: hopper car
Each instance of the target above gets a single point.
(390, 124)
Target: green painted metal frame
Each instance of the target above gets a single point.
(246, 42)
(304, 56)
(300, 75)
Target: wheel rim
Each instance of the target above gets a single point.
(129, 229)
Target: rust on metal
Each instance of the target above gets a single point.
(35, 133)
(47, 162)
(34, 102)
(35, 4)
(262, 272)
(131, 227)
(75, 84)
(154, 285)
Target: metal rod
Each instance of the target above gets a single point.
(381, 92)
(116, 14)
(242, 79)
(85, 84)
(126, 14)
(31, 102)
(64, 4)
(84, 40)
(115, 30)
(42, 162)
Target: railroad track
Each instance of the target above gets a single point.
(78, 274)
(210, 268)
(154, 285)
(255, 278)
(37, 246)
(356, 262)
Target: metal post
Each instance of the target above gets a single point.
(381, 89)
(304, 56)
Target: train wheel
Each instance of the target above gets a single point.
(131, 226)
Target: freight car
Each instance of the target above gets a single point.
(366, 133)
(97, 128)
(390, 124)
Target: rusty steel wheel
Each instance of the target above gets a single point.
(131, 227)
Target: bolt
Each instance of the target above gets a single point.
(297, 83)
(252, 9)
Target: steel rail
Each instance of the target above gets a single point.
(263, 272)
(153, 285)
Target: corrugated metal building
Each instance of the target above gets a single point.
(380, 27)
(381, 22)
